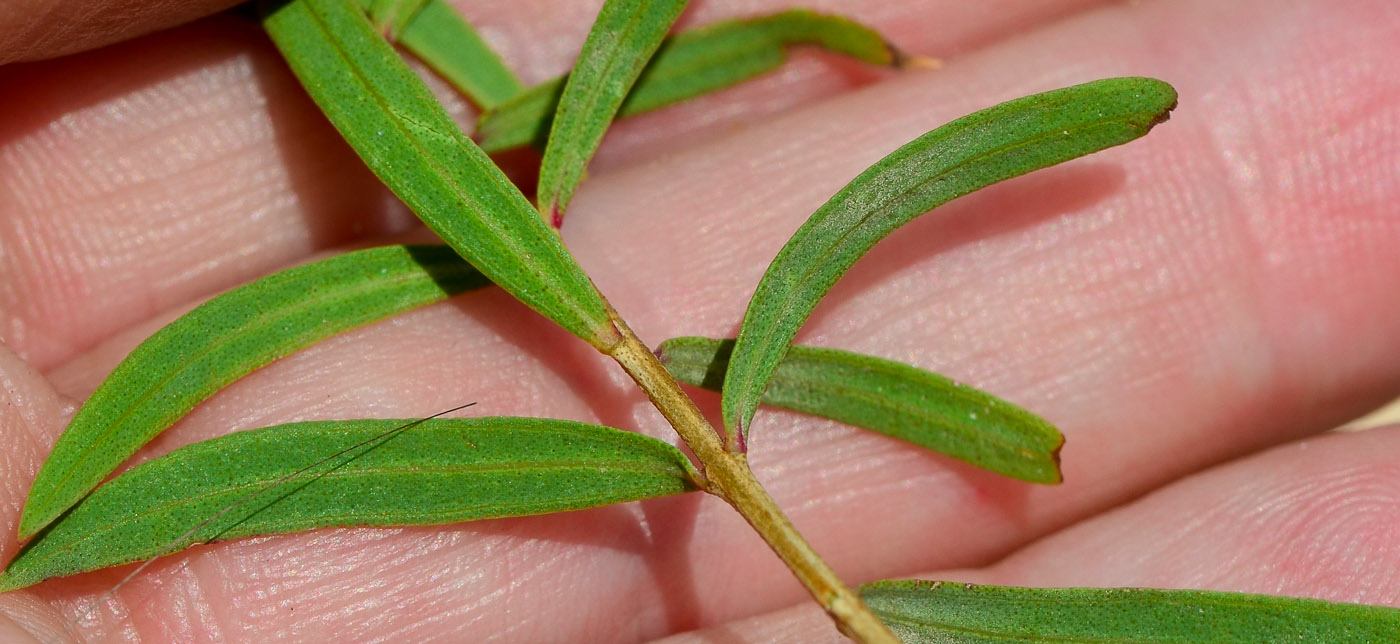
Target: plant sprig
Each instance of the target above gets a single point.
(392, 472)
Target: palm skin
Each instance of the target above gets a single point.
(1193, 310)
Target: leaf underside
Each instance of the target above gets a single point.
(394, 473)
(968, 154)
(922, 612)
(891, 398)
(224, 339)
(689, 64)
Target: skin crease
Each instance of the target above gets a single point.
(1191, 309)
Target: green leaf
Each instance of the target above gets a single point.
(968, 154)
(894, 399)
(391, 119)
(922, 612)
(622, 40)
(380, 473)
(691, 63)
(442, 38)
(221, 341)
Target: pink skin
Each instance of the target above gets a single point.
(1222, 290)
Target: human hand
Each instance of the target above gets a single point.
(1221, 287)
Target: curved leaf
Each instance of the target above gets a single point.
(968, 154)
(691, 63)
(922, 612)
(391, 119)
(383, 473)
(622, 40)
(221, 341)
(442, 38)
(892, 398)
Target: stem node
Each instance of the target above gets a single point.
(729, 477)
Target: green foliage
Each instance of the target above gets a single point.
(622, 40)
(391, 120)
(380, 473)
(689, 64)
(223, 340)
(923, 612)
(891, 398)
(968, 154)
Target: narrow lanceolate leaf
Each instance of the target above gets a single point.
(380, 473)
(622, 40)
(391, 119)
(894, 399)
(922, 612)
(692, 63)
(225, 339)
(968, 154)
(442, 38)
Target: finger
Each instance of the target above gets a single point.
(31, 414)
(1311, 519)
(36, 29)
(1150, 249)
(169, 168)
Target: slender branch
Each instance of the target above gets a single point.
(728, 476)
